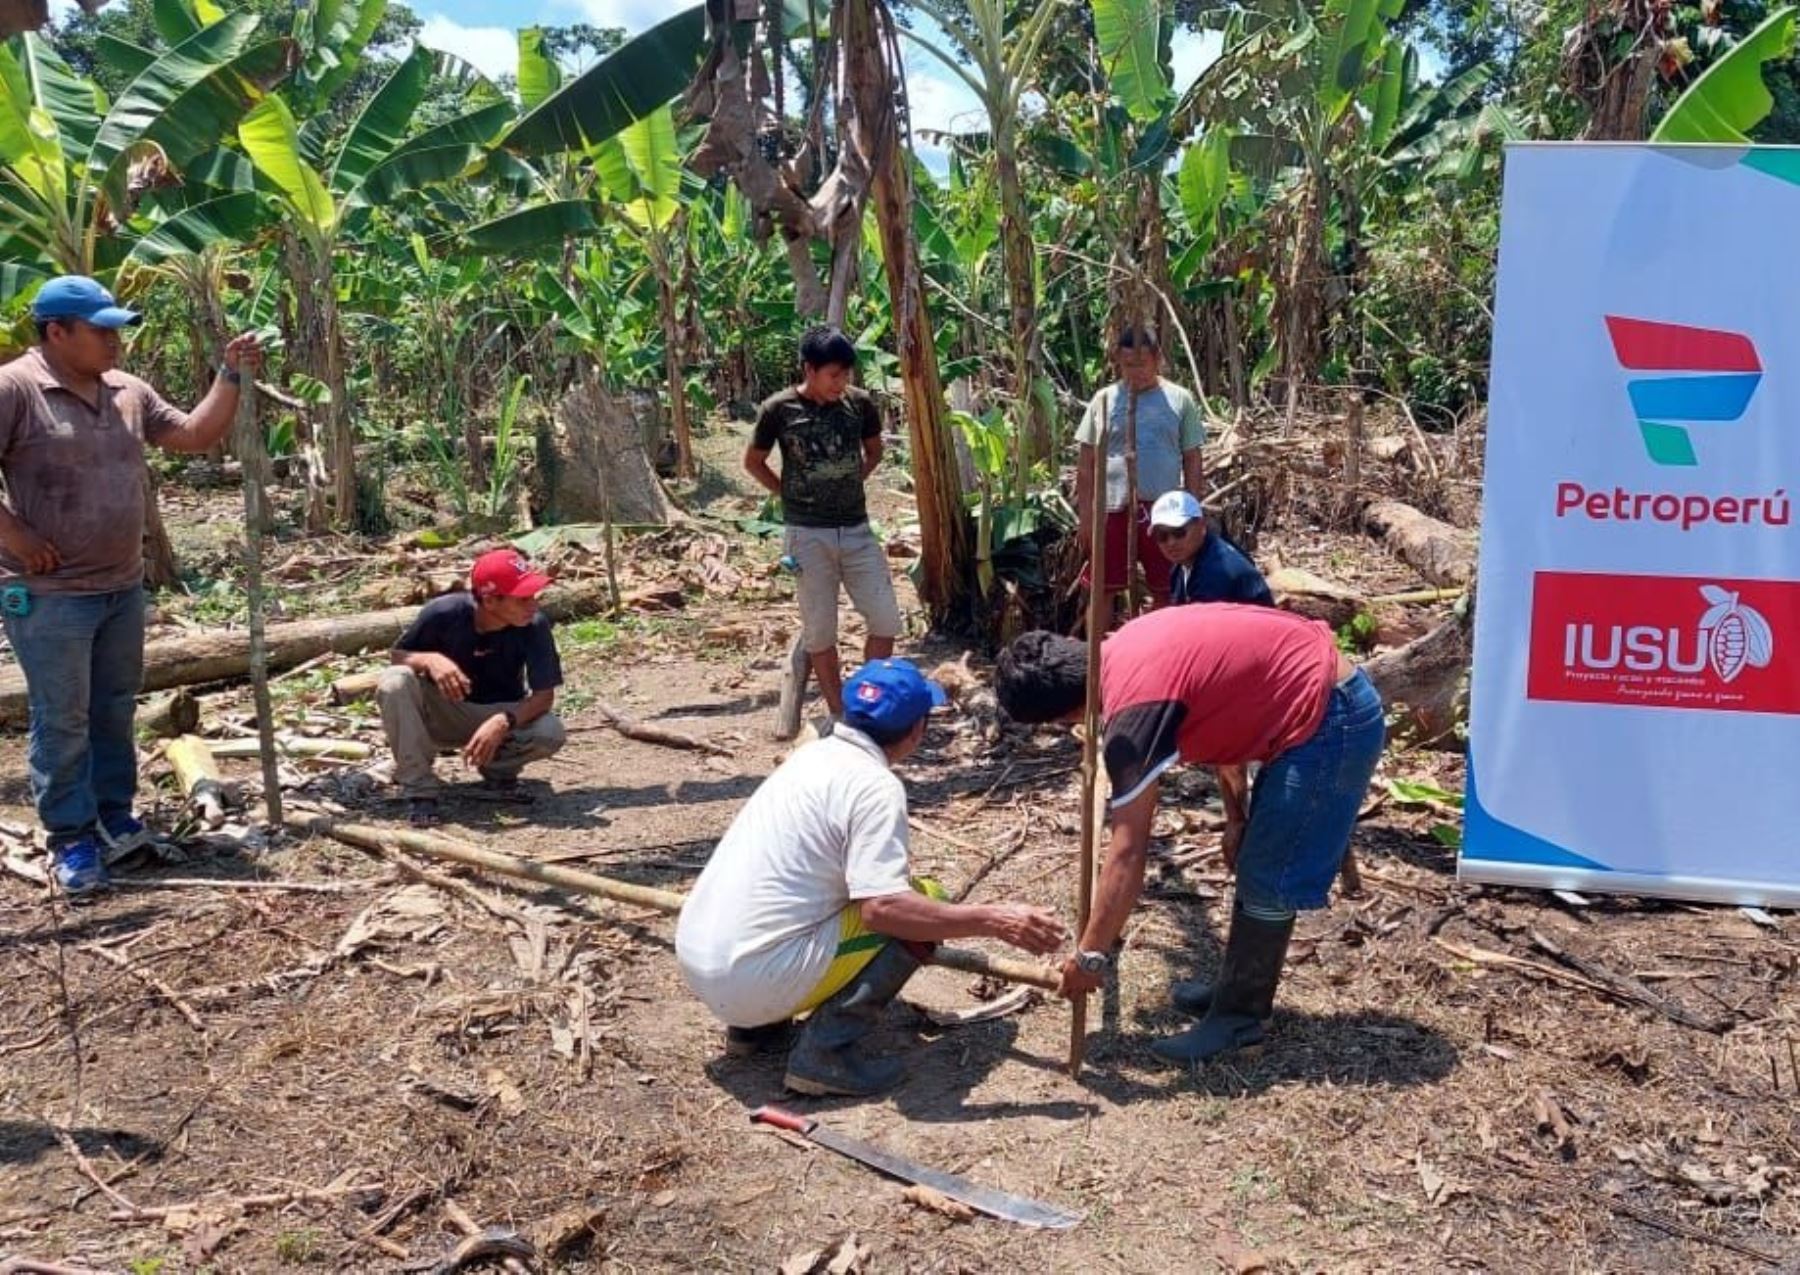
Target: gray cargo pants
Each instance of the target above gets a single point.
(420, 723)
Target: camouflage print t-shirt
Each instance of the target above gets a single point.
(821, 455)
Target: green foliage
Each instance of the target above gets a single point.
(1730, 99)
(1358, 635)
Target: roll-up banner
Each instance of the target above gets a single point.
(1635, 702)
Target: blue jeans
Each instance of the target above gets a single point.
(1305, 804)
(82, 655)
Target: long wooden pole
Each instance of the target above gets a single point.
(253, 454)
(1091, 825)
(436, 846)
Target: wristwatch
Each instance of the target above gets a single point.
(231, 374)
(1092, 962)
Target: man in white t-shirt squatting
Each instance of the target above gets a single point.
(807, 904)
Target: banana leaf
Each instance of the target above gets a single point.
(626, 85)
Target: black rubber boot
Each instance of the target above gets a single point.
(1193, 997)
(747, 1042)
(826, 1060)
(1244, 996)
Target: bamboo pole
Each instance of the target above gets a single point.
(437, 846)
(1099, 601)
(252, 452)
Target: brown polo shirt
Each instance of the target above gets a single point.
(74, 472)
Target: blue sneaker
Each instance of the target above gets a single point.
(122, 834)
(77, 869)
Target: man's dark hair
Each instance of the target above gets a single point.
(825, 346)
(1041, 677)
(43, 328)
(1137, 339)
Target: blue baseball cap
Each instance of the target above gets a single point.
(889, 697)
(75, 296)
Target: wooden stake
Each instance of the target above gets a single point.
(251, 450)
(1091, 824)
(1133, 599)
(437, 846)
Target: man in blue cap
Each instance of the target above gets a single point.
(807, 905)
(72, 435)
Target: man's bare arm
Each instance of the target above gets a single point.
(912, 916)
(756, 464)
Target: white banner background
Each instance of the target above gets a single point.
(1698, 803)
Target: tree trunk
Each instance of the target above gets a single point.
(672, 359)
(599, 439)
(340, 436)
(1305, 313)
(946, 549)
(1422, 683)
(160, 568)
(1033, 440)
(1443, 554)
(306, 342)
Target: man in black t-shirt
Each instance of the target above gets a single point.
(829, 433)
(459, 681)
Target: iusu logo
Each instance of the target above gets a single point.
(1703, 376)
(1662, 642)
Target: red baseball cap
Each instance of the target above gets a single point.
(504, 573)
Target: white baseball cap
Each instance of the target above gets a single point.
(1175, 509)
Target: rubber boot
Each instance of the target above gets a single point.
(1193, 997)
(826, 1060)
(748, 1042)
(1244, 996)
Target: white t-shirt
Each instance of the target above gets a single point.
(761, 926)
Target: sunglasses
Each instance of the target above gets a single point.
(1161, 534)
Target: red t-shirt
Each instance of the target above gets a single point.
(1218, 684)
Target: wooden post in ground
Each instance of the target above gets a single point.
(251, 449)
(1132, 598)
(1091, 824)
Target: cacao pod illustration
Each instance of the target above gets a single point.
(1729, 650)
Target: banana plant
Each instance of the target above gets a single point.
(1003, 59)
(73, 166)
(374, 164)
(1729, 99)
(614, 121)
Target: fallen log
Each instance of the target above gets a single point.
(1443, 554)
(1422, 682)
(287, 745)
(166, 716)
(198, 778)
(221, 655)
(436, 846)
(356, 687)
(1306, 594)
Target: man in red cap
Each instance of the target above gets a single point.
(459, 681)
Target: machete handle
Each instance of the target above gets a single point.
(782, 1120)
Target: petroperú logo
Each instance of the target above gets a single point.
(1703, 376)
(1663, 641)
(1734, 635)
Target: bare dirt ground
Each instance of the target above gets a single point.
(1438, 1091)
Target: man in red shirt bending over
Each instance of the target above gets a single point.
(1221, 685)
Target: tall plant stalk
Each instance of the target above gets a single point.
(250, 449)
